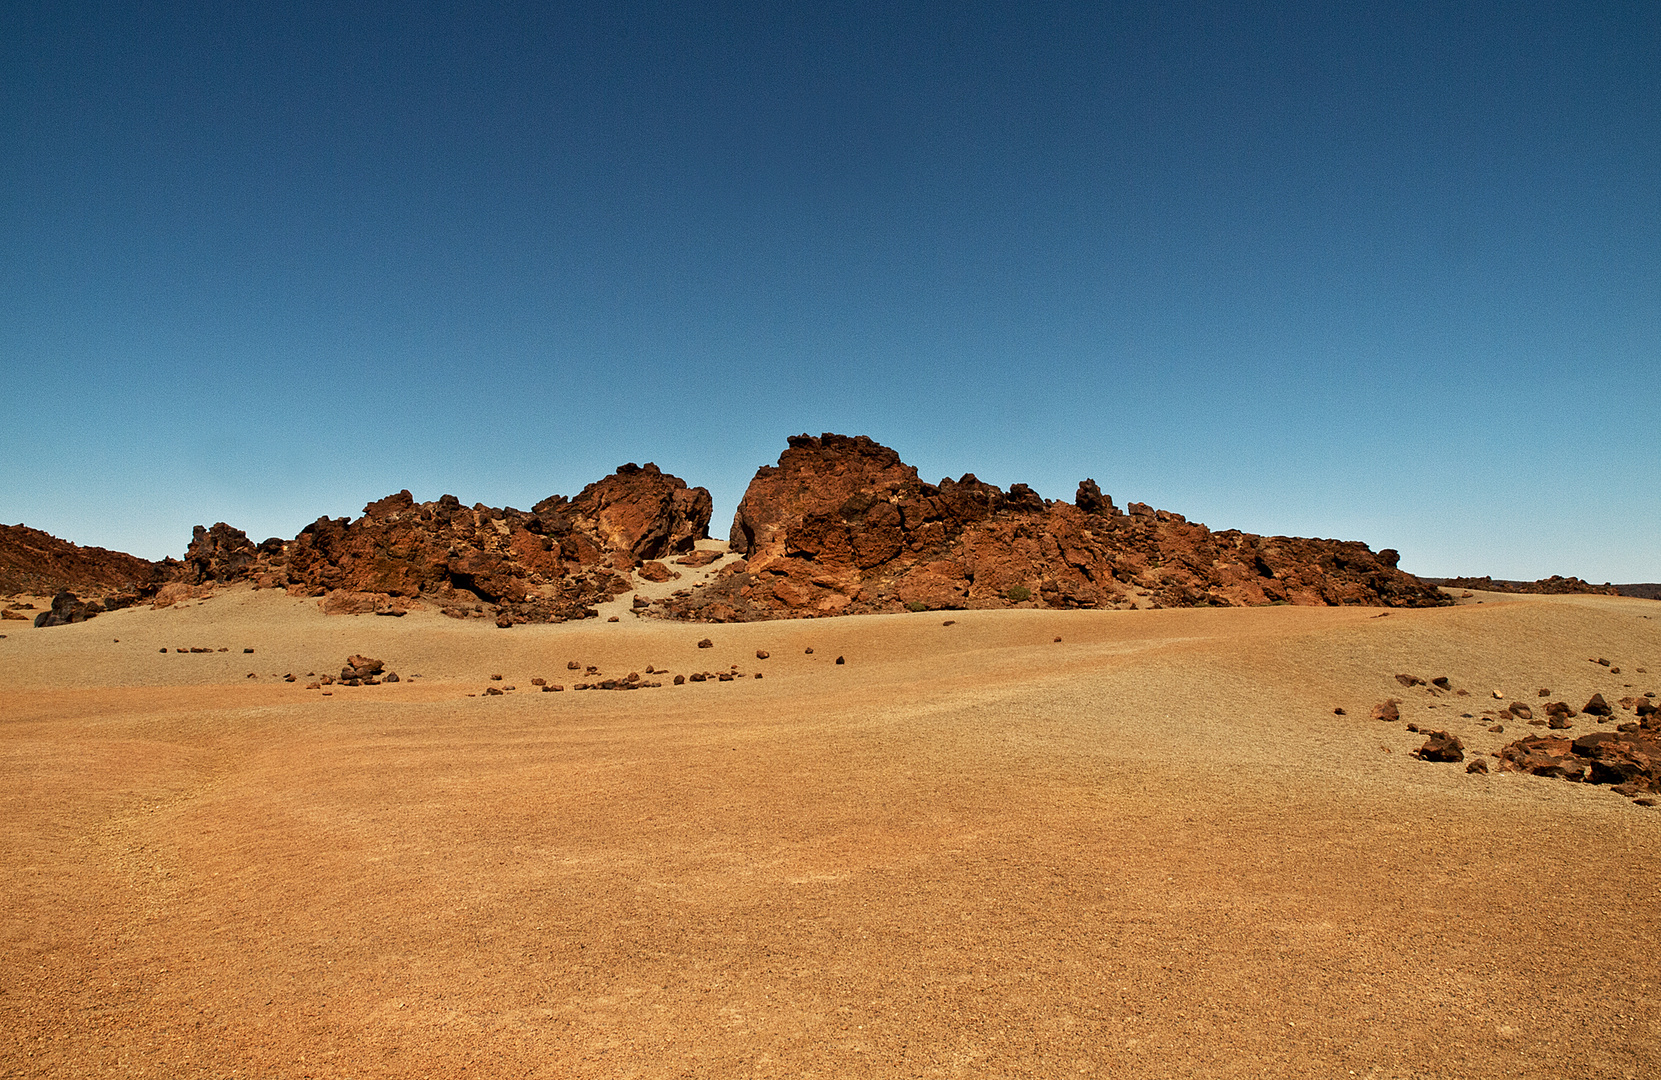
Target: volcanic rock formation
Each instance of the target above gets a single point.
(842, 525)
(550, 564)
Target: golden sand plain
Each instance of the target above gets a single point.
(1147, 850)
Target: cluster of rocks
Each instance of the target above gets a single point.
(842, 525)
(634, 680)
(1551, 586)
(552, 563)
(359, 670)
(67, 607)
(1627, 758)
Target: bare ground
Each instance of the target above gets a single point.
(1149, 849)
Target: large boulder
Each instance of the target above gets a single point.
(1627, 758)
(68, 608)
(1543, 755)
(643, 511)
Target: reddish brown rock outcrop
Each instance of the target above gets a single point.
(1441, 746)
(218, 554)
(1628, 760)
(842, 525)
(550, 564)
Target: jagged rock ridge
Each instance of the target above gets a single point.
(1556, 585)
(842, 525)
(551, 563)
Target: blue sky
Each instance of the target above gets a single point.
(1389, 274)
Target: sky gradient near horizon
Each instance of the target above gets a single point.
(1389, 274)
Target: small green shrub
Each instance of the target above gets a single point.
(1019, 593)
(916, 605)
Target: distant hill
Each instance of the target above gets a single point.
(32, 561)
(1554, 585)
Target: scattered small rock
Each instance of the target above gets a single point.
(1441, 681)
(1441, 747)
(1387, 710)
(841, 660)
(761, 654)
(1338, 712)
(1477, 766)
(706, 644)
(680, 679)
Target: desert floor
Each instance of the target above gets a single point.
(1149, 849)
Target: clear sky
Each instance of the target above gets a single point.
(1377, 272)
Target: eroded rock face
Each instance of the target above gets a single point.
(218, 554)
(842, 525)
(639, 510)
(550, 564)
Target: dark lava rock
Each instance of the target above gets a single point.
(1441, 746)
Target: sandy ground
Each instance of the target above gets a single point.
(1149, 849)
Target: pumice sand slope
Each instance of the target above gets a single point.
(1149, 849)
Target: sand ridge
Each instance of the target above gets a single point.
(1147, 849)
